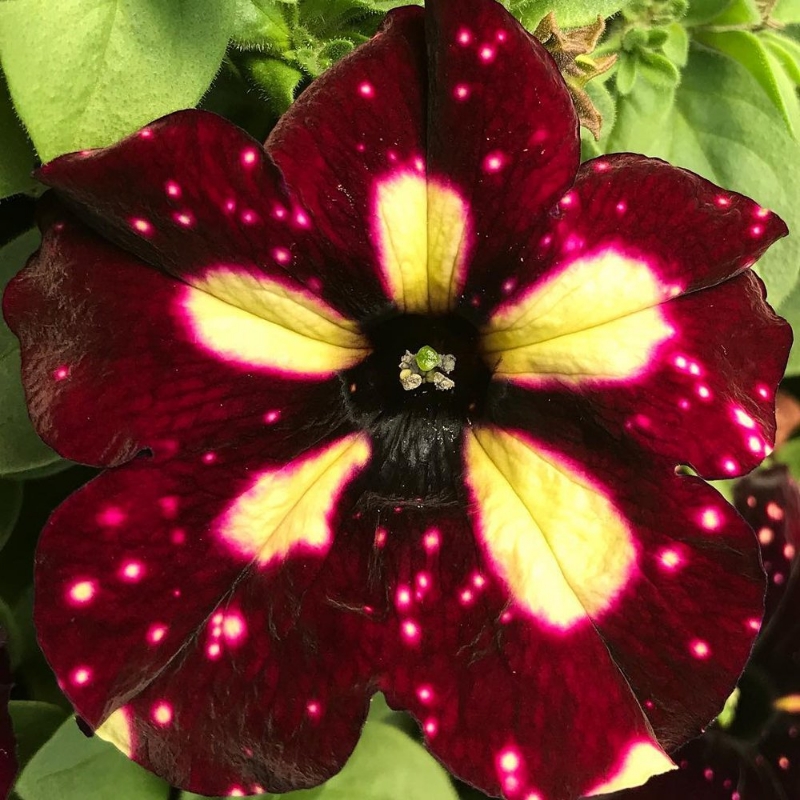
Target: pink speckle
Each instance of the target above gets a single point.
(704, 392)
(411, 632)
(694, 368)
(464, 36)
(757, 230)
(82, 591)
(621, 207)
(700, 649)
(763, 213)
(169, 506)
(466, 597)
(233, 627)
(478, 581)
(249, 156)
(722, 201)
(423, 580)
(506, 617)
(361, 147)
(711, 519)
(281, 255)
(774, 511)
(315, 284)
(494, 162)
(61, 373)
(431, 727)
(301, 219)
(162, 713)
(145, 133)
(111, 517)
(313, 709)
(81, 676)
(184, 218)
(508, 760)
(766, 535)
(419, 164)
(789, 551)
(132, 571)
(249, 217)
(755, 444)
(730, 466)
(431, 540)
(271, 417)
(403, 597)
(142, 226)
(230, 206)
(279, 212)
(487, 53)
(754, 624)
(744, 419)
(209, 458)
(173, 189)
(214, 650)
(425, 694)
(601, 166)
(783, 763)
(683, 404)
(763, 392)
(568, 200)
(461, 91)
(546, 240)
(366, 89)
(669, 559)
(178, 536)
(501, 36)
(156, 633)
(380, 537)
(508, 285)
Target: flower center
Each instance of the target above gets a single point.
(423, 382)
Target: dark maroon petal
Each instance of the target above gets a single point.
(232, 665)
(510, 152)
(769, 500)
(191, 191)
(8, 742)
(361, 123)
(112, 367)
(693, 553)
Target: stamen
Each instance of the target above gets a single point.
(426, 366)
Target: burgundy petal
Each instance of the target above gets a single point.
(8, 742)
(230, 668)
(111, 366)
(191, 191)
(502, 129)
(684, 534)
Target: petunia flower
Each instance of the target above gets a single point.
(752, 751)
(289, 525)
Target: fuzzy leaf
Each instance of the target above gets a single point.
(10, 504)
(16, 154)
(569, 13)
(84, 73)
(71, 766)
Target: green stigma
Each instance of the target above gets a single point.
(427, 358)
(728, 713)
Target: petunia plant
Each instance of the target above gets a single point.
(404, 400)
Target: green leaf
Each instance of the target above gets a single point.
(16, 154)
(723, 127)
(702, 11)
(34, 724)
(276, 80)
(676, 47)
(789, 454)
(84, 73)
(569, 13)
(20, 447)
(10, 504)
(262, 24)
(625, 74)
(8, 623)
(641, 113)
(787, 11)
(751, 52)
(787, 51)
(739, 12)
(789, 309)
(386, 765)
(71, 766)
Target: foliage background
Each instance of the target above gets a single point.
(711, 85)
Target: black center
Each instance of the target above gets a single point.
(416, 435)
